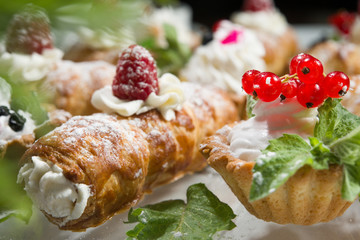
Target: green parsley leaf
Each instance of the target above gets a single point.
(350, 188)
(200, 218)
(279, 161)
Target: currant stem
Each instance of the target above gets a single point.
(286, 77)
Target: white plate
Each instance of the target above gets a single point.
(248, 227)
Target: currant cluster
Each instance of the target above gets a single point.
(306, 81)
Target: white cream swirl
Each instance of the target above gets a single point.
(271, 120)
(170, 99)
(271, 21)
(6, 133)
(47, 186)
(29, 68)
(223, 65)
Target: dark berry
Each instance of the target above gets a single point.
(136, 74)
(29, 32)
(4, 111)
(16, 122)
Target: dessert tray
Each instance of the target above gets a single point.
(248, 226)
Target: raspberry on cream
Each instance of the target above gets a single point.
(169, 99)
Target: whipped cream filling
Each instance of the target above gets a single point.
(170, 99)
(6, 133)
(107, 38)
(47, 186)
(271, 21)
(272, 120)
(222, 63)
(29, 68)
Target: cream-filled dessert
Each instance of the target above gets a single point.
(25, 68)
(52, 192)
(232, 52)
(169, 99)
(271, 21)
(271, 120)
(13, 124)
(290, 162)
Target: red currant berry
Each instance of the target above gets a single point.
(336, 84)
(289, 89)
(257, 5)
(310, 95)
(310, 70)
(295, 62)
(248, 81)
(267, 86)
(343, 21)
(136, 74)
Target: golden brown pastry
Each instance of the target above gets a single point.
(108, 162)
(308, 197)
(70, 85)
(279, 50)
(338, 56)
(351, 100)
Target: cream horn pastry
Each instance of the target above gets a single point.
(95, 166)
(30, 58)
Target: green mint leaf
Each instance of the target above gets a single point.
(335, 121)
(350, 188)
(200, 218)
(347, 148)
(279, 161)
(322, 156)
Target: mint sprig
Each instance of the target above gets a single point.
(336, 141)
(200, 218)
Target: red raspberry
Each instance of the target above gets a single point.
(343, 20)
(258, 5)
(29, 31)
(136, 74)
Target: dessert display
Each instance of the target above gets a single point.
(30, 58)
(294, 161)
(92, 167)
(166, 31)
(273, 30)
(341, 52)
(18, 128)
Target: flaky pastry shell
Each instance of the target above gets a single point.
(308, 197)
